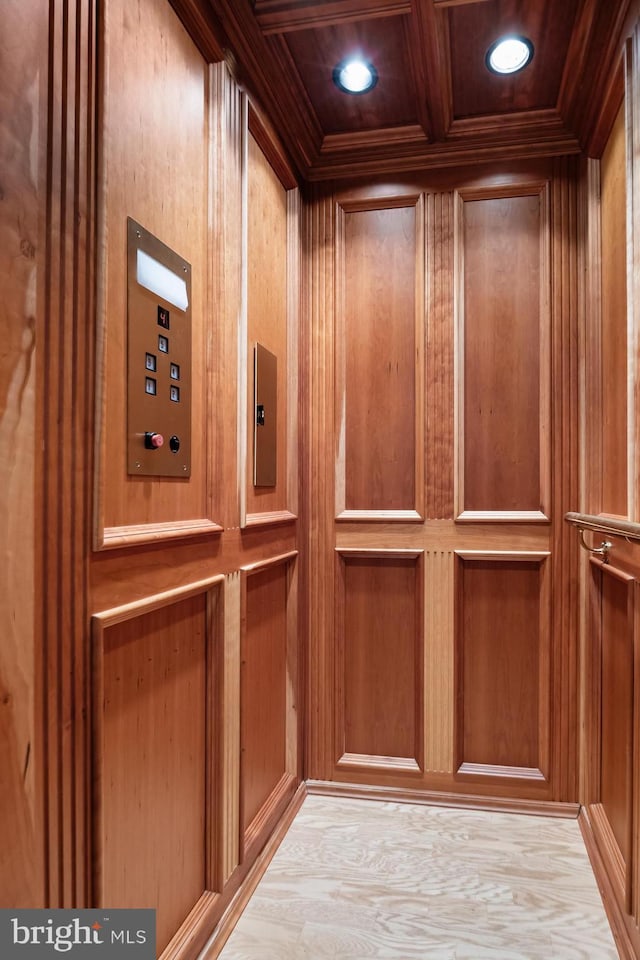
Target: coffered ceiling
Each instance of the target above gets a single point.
(435, 103)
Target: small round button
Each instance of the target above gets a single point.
(174, 444)
(153, 441)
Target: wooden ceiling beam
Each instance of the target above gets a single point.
(284, 16)
(455, 3)
(430, 56)
(393, 156)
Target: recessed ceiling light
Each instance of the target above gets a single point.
(355, 75)
(509, 54)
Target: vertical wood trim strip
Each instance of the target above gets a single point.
(419, 352)
(293, 325)
(439, 361)
(564, 436)
(65, 384)
(545, 428)
(593, 358)
(213, 383)
(340, 429)
(439, 681)
(243, 324)
(292, 722)
(214, 648)
(635, 764)
(321, 476)
(230, 696)
(226, 250)
(632, 120)
(458, 353)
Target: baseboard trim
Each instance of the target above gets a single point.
(627, 940)
(540, 808)
(232, 914)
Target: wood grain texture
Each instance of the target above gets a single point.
(439, 426)
(23, 56)
(614, 323)
(504, 328)
(379, 679)
(167, 98)
(502, 653)
(439, 662)
(379, 465)
(151, 762)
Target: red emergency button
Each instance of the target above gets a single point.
(153, 441)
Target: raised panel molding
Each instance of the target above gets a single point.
(269, 684)
(612, 715)
(503, 667)
(266, 180)
(130, 511)
(378, 723)
(511, 431)
(156, 676)
(379, 388)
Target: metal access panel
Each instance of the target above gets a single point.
(265, 433)
(158, 358)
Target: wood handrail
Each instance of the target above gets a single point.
(605, 525)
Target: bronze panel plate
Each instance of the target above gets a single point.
(158, 362)
(265, 382)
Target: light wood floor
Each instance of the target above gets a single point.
(355, 879)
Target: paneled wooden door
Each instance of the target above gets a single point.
(442, 333)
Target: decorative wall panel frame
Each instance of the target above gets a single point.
(342, 209)
(267, 817)
(543, 428)
(255, 126)
(541, 773)
(622, 875)
(108, 335)
(373, 764)
(212, 587)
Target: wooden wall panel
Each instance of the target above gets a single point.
(503, 670)
(502, 259)
(154, 168)
(23, 72)
(617, 664)
(267, 316)
(268, 711)
(379, 431)
(153, 759)
(379, 665)
(614, 323)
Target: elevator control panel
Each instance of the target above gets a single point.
(265, 432)
(158, 357)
